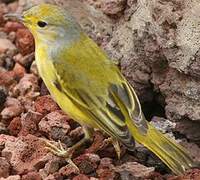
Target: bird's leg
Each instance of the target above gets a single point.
(115, 144)
(67, 154)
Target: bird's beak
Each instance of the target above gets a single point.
(18, 17)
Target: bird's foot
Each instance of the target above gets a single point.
(115, 144)
(61, 152)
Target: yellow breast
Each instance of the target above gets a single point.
(47, 72)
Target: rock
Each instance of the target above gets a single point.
(11, 26)
(26, 153)
(106, 169)
(14, 177)
(6, 44)
(133, 170)
(193, 149)
(19, 71)
(27, 86)
(43, 89)
(3, 95)
(52, 167)
(45, 105)
(26, 60)
(189, 175)
(4, 138)
(7, 78)
(81, 177)
(87, 163)
(32, 176)
(29, 123)
(97, 142)
(55, 125)
(163, 125)
(76, 133)
(7, 1)
(189, 129)
(68, 170)
(24, 41)
(12, 36)
(3, 128)
(12, 108)
(7, 59)
(113, 7)
(15, 126)
(4, 167)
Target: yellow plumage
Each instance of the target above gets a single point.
(90, 88)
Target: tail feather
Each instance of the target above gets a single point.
(171, 153)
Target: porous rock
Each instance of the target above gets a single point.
(26, 153)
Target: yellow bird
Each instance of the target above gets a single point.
(89, 87)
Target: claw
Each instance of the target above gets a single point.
(115, 144)
(61, 152)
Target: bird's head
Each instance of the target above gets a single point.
(48, 22)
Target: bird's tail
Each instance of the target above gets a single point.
(171, 153)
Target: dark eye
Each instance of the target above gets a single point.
(41, 24)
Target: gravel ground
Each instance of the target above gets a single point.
(29, 114)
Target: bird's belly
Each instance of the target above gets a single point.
(46, 71)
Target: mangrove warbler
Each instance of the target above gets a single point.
(90, 88)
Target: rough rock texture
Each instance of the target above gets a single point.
(156, 45)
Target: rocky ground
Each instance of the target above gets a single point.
(157, 45)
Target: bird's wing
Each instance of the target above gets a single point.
(100, 91)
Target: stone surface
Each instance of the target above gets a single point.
(45, 105)
(25, 154)
(55, 125)
(5, 44)
(12, 108)
(14, 177)
(15, 126)
(113, 7)
(24, 41)
(133, 170)
(156, 45)
(87, 163)
(4, 167)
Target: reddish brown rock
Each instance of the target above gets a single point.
(19, 71)
(81, 177)
(76, 133)
(45, 105)
(12, 26)
(97, 142)
(1, 18)
(6, 44)
(133, 170)
(12, 108)
(32, 176)
(14, 177)
(106, 169)
(24, 41)
(4, 138)
(55, 125)
(87, 163)
(53, 166)
(4, 167)
(7, 78)
(68, 171)
(27, 86)
(189, 175)
(26, 154)
(113, 7)
(26, 60)
(29, 123)
(15, 126)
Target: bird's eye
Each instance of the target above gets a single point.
(41, 24)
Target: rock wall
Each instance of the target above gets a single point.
(157, 45)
